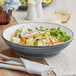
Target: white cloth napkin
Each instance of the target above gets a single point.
(36, 68)
(28, 66)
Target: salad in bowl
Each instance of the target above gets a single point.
(39, 36)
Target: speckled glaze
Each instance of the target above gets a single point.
(37, 51)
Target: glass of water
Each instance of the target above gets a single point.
(63, 10)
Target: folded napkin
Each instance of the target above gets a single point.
(36, 68)
(25, 65)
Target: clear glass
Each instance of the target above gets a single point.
(63, 10)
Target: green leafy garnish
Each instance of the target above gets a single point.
(29, 29)
(18, 32)
(59, 34)
(41, 28)
(36, 28)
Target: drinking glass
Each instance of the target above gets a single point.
(63, 10)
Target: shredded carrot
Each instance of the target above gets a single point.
(51, 31)
(24, 40)
(18, 43)
(22, 43)
(29, 32)
(14, 35)
(38, 30)
(51, 40)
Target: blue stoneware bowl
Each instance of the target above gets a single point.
(36, 51)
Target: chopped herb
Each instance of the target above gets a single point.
(41, 28)
(46, 28)
(29, 29)
(59, 34)
(36, 28)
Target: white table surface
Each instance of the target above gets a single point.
(64, 63)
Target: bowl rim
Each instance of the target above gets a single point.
(35, 47)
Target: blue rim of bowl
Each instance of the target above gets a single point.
(39, 47)
(25, 7)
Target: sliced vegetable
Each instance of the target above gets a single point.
(22, 43)
(15, 40)
(51, 40)
(29, 32)
(51, 31)
(41, 28)
(35, 43)
(18, 43)
(29, 29)
(40, 43)
(14, 35)
(36, 28)
(24, 40)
